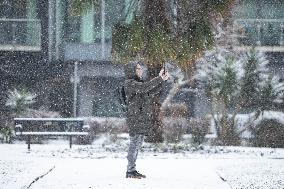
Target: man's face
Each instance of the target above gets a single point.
(139, 71)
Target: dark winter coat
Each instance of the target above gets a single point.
(139, 99)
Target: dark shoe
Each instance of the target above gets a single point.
(134, 174)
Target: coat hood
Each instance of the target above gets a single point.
(130, 70)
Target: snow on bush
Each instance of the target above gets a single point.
(234, 84)
(19, 100)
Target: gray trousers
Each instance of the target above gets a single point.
(135, 143)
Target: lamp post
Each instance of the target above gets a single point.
(76, 81)
(103, 7)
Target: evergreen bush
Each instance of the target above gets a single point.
(237, 83)
(268, 133)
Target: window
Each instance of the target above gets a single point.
(84, 29)
(96, 25)
(19, 25)
(260, 23)
(93, 30)
(259, 9)
(105, 102)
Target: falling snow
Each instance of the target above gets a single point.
(63, 58)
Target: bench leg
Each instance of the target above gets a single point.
(29, 142)
(70, 142)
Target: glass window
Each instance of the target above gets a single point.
(270, 33)
(105, 101)
(13, 8)
(113, 14)
(271, 9)
(19, 24)
(88, 27)
(260, 22)
(85, 28)
(259, 9)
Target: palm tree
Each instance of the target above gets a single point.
(163, 30)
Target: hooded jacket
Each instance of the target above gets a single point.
(139, 99)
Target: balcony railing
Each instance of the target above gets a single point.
(264, 34)
(20, 34)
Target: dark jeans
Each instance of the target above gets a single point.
(135, 143)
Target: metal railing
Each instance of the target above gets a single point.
(265, 34)
(20, 34)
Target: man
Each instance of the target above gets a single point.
(139, 99)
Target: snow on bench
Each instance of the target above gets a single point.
(50, 127)
(52, 133)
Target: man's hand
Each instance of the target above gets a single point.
(165, 76)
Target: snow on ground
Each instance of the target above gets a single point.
(102, 166)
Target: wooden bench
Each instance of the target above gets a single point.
(50, 127)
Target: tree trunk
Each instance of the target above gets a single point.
(155, 19)
(156, 133)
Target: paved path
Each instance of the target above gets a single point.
(58, 167)
(69, 173)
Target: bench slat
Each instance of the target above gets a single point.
(52, 133)
(50, 119)
(22, 125)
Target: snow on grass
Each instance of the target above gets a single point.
(253, 173)
(102, 165)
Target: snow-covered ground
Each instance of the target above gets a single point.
(102, 166)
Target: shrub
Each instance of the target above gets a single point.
(19, 100)
(235, 83)
(6, 127)
(93, 130)
(6, 133)
(198, 127)
(112, 126)
(228, 133)
(175, 110)
(174, 122)
(174, 128)
(268, 133)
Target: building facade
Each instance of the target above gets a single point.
(41, 43)
(260, 23)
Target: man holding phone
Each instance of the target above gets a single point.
(140, 114)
